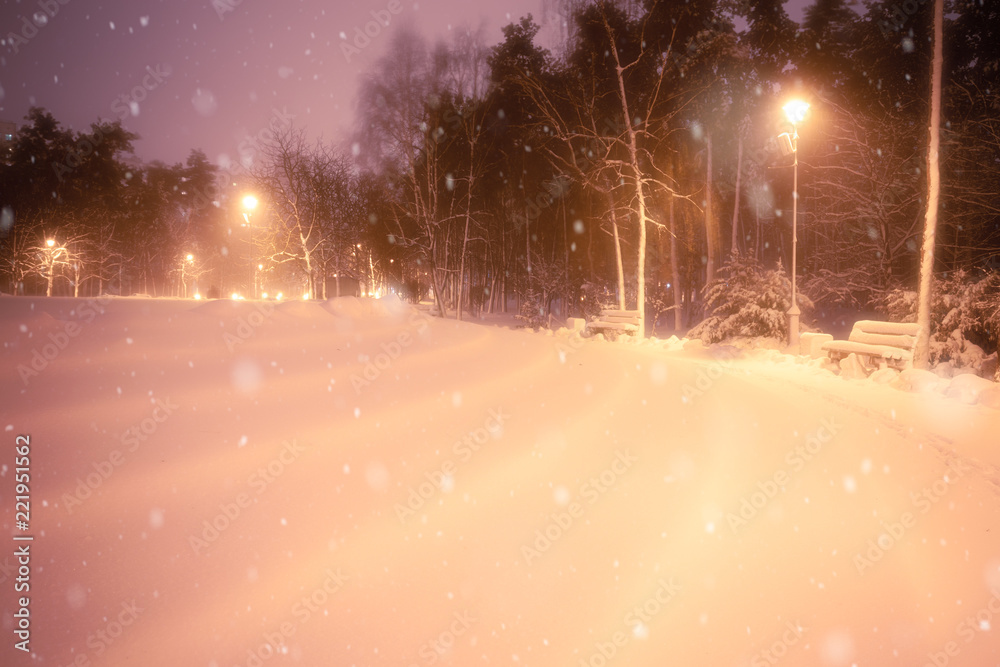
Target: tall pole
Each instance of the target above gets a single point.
(253, 282)
(250, 203)
(250, 284)
(51, 263)
(794, 312)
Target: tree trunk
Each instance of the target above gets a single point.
(633, 151)
(566, 242)
(675, 271)
(757, 244)
(590, 239)
(503, 266)
(438, 292)
(527, 242)
(461, 267)
(618, 253)
(468, 216)
(711, 224)
(310, 278)
(921, 357)
(736, 205)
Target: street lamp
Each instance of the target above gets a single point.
(795, 111)
(249, 204)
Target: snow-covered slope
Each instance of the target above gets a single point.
(354, 483)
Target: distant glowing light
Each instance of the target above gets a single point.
(305, 296)
(237, 297)
(190, 257)
(50, 242)
(197, 297)
(250, 202)
(278, 296)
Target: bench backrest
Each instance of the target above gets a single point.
(895, 334)
(619, 316)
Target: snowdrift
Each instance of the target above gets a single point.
(356, 483)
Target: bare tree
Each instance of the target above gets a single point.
(865, 205)
(18, 247)
(50, 256)
(403, 134)
(294, 176)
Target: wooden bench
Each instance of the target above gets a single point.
(619, 321)
(877, 344)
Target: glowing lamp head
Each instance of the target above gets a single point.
(250, 202)
(50, 242)
(795, 111)
(190, 257)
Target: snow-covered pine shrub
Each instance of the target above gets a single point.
(746, 301)
(965, 316)
(900, 305)
(532, 310)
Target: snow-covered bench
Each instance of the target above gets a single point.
(619, 321)
(880, 343)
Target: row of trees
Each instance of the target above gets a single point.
(81, 216)
(639, 156)
(623, 166)
(79, 212)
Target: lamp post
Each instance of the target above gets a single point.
(795, 111)
(249, 204)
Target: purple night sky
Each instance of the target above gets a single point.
(212, 74)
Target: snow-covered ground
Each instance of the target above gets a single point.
(353, 483)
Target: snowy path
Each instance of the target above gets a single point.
(324, 546)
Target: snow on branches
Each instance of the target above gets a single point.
(746, 301)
